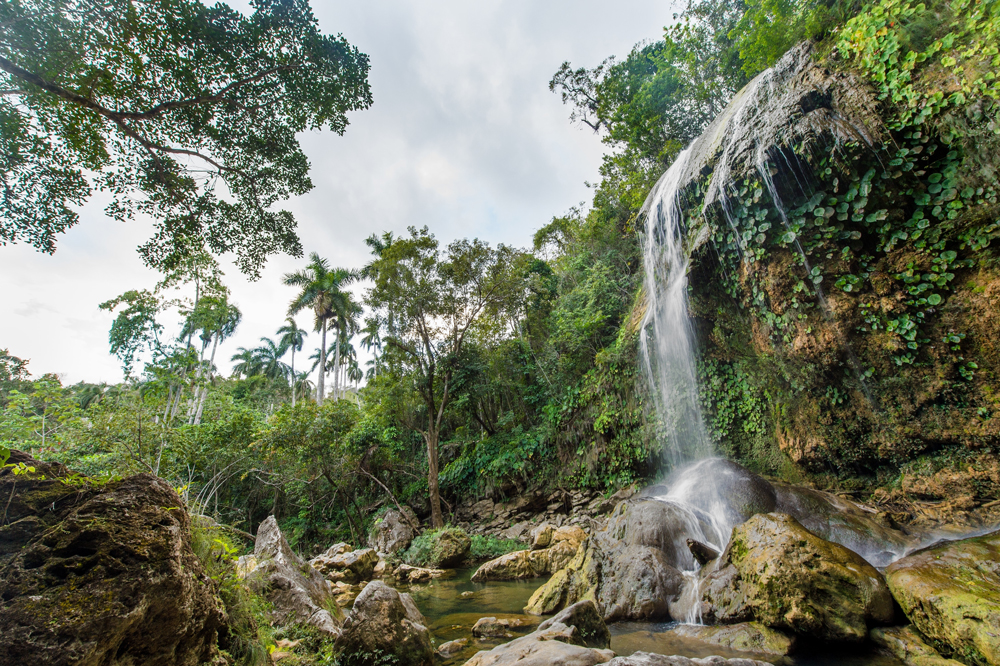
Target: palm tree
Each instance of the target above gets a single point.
(292, 337)
(321, 290)
(246, 363)
(346, 312)
(268, 358)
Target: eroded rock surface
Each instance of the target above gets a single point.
(95, 573)
(648, 659)
(623, 568)
(385, 625)
(350, 566)
(394, 532)
(742, 637)
(907, 645)
(778, 573)
(951, 593)
(297, 592)
(562, 544)
(575, 637)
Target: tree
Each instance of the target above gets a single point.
(183, 112)
(321, 290)
(292, 337)
(268, 358)
(429, 303)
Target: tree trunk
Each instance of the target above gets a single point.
(204, 390)
(293, 375)
(322, 366)
(336, 368)
(437, 520)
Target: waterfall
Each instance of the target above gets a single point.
(667, 338)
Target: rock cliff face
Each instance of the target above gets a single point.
(100, 574)
(843, 269)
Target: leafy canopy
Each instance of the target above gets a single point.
(184, 113)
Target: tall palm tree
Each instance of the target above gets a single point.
(292, 337)
(346, 313)
(321, 289)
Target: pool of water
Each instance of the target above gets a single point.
(453, 605)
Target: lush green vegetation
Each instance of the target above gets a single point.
(498, 369)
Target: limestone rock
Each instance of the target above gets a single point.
(350, 566)
(449, 548)
(742, 637)
(648, 659)
(517, 530)
(451, 648)
(777, 572)
(623, 568)
(522, 564)
(951, 594)
(491, 627)
(907, 645)
(541, 536)
(482, 510)
(555, 642)
(385, 624)
(297, 592)
(407, 574)
(100, 573)
(393, 532)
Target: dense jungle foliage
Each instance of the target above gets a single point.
(499, 369)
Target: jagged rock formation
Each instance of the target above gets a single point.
(560, 546)
(394, 531)
(100, 573)
(298, 592)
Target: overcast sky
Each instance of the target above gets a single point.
(463, 136)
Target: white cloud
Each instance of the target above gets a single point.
(464, 136)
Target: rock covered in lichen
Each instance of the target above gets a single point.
(101, 573)
(951, 593)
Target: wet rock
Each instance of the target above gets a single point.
(661, 524)
(907, 645)
(742, 637)
(297, 592)
(541, 536)
(385, 625)
(407, 574)
(648, 659)
(100, 573)
(350, 567)
(451, 648)
(394, 531)
(628, 582)
(492, 628)
(555, 642)
(702, 553)
(780, 574)
(843, 521)
(951, 594)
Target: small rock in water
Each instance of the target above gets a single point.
(703, 554)
(451, 648)
(490, 627)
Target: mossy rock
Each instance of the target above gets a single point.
(445, 548)
(951, 593)
(780, 574)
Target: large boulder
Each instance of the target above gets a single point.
(297, 592)
(385, 627)
(628, 569)
(349, 567)
(100, 573)
(647, 659)
(443, 548)
(951, 593)
(778, 573)
(575, 637)
(394, 531)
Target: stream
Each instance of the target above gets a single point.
(453, 605)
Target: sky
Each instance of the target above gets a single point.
(463, 136)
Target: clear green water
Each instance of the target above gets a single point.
(452, 606)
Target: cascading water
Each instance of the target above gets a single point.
(667, 337)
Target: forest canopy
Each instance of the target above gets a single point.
(193, 126)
